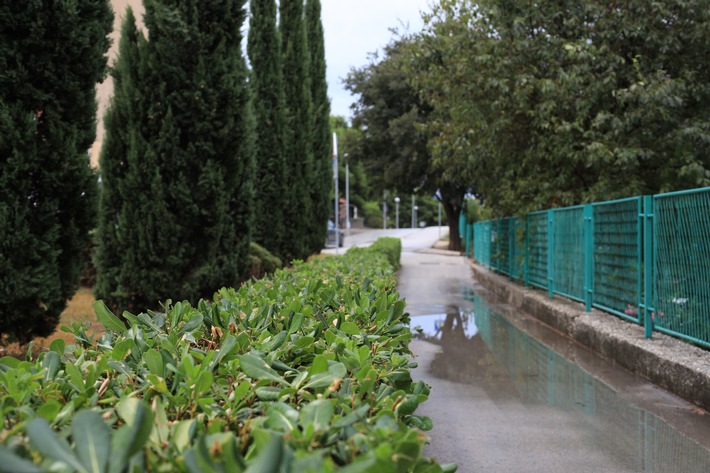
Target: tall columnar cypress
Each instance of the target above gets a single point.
(178, 162)
(52, 54)
(322, 177)
(298, 146)
(123, 145)
(267, 85)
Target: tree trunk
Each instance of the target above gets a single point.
(452, 219)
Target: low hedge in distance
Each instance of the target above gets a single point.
(305, 371)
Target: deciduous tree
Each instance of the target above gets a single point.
(552, 104)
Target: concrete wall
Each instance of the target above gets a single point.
(672, 364)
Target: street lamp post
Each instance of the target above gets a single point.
(416, 207)
(347, 195)
(413, 216)
(337, 203)
(396, 206)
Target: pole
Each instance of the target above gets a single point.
(413, 216)
(337, 204)
(347, 195)
(439, 220)
(396, 206)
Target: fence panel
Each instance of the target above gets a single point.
(482, 243)
(682, 249)
(568, 255)
(537, 249)
(617, 257)
(503, 246)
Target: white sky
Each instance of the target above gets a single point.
(354, 28)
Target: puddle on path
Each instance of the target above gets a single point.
(515, 358)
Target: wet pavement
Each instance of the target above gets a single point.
(509, 394)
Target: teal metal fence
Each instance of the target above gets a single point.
(645, 259)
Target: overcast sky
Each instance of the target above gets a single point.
(354, 28)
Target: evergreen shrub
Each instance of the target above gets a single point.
(263, 262)
(307, 370)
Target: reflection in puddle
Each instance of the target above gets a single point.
(454, 323)
(627, 418)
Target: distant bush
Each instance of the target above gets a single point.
(391, 248)
(262, 261)
(373, 214)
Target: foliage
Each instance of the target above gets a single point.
(360, 190)
(298, 138)
(394, 143)
(391, 248)
(321, 137)
(373, 214)
(543, 105)
(177, 164)
(267, 85)
(305, 371)
(262, 261)
(475, 211)
(52, 54)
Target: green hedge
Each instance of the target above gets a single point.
(307, 370)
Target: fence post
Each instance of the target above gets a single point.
(648, 265)
(511, 247)
(498, 249)
(639, 262)
(588, 256)
(551, 252)
(526, 266)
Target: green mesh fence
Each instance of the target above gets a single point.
(568, 257)
(617, 257)
(537, 250)
(482, 243)
(682, 264)
(501, 261)
(627, 256)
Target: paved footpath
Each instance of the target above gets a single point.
(480, 429)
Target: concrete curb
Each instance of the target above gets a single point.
(672, 364)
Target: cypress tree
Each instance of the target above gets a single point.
(267, 83)
(298, 147)
(178, 192)
(52, 54)
(322, 176)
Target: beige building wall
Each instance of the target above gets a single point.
(105, 89)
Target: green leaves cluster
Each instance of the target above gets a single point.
(305, 371)
(551, 104)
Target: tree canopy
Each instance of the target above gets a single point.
(549, 104)
(394, 142)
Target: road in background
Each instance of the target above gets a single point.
(412, 238)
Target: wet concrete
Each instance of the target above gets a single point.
(509, 394)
